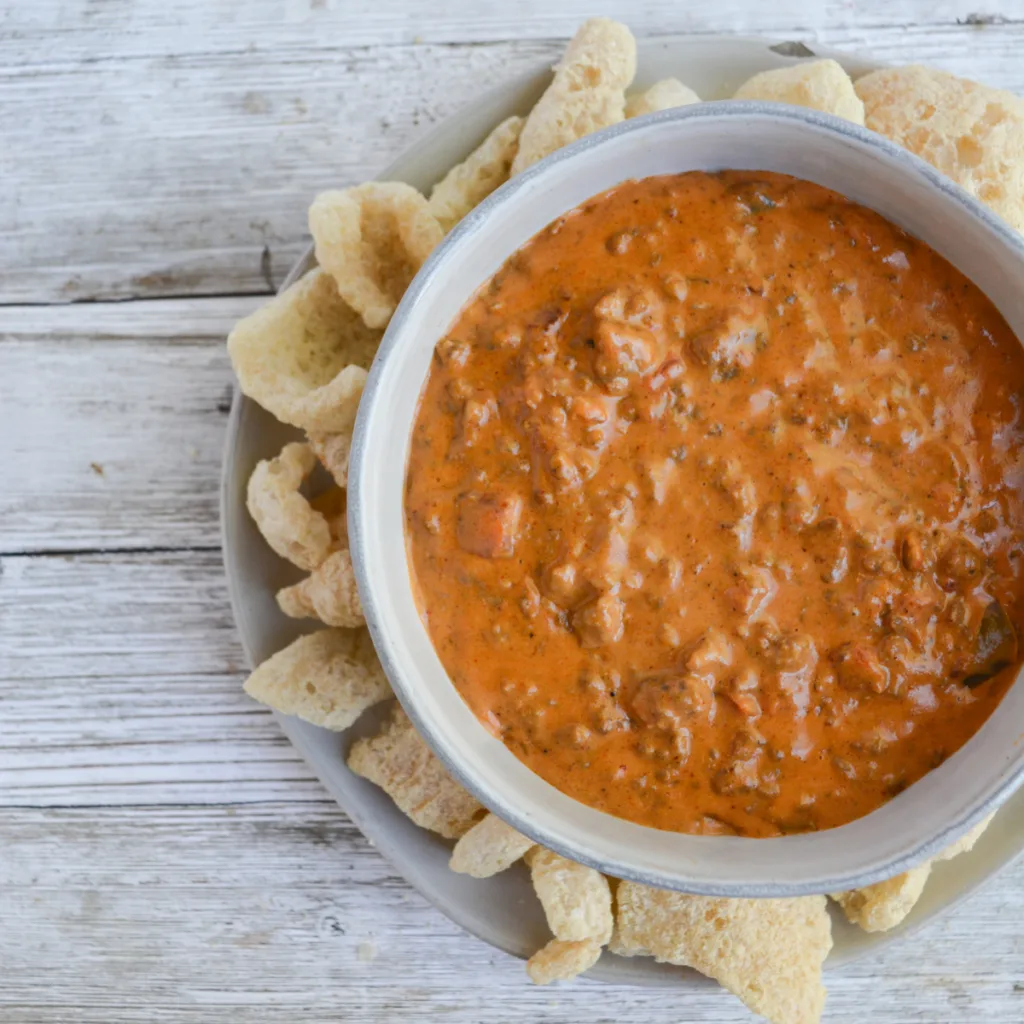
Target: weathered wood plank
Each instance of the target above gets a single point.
(217, 160)
(51, 30)
(283, 912)
(132, 615)
(190, 172)
(120, 683)
(153, 740)
(113, 421)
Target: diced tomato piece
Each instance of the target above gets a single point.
(489, 524)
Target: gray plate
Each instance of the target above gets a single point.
(503, 910)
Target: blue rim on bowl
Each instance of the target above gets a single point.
(834, 153)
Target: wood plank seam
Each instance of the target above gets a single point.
(200, 549)
(128, 300)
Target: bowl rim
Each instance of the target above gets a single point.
(359, 510)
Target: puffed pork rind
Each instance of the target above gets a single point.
(287, 521)
(468, 184)
(402, 764)
(329, 594)
(576, 899)
(372, 239)
(328, 678)
(879, 907)
(663, 95)
(563, 961)
(971, 133)
(489, 847)
(588, 91)
(577, 903)
(820, 84)
(303, 355)
(769, 952)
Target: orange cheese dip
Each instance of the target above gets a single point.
(714, 505)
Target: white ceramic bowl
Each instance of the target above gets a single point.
(833, 153)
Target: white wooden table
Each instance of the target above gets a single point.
(164, 854)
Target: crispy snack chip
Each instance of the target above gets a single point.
(971, 133)
(302, 356)
(577, 903)
(488, 848)
(289, 524)
(328, 678)
(820, 85)
(468, 184)
(576, 899)
(587, 93)
(402, 764)
(663, 95)
(329, 594)
(333, 451)
(372, 239)
(563, 961)
(879, 907)
(768, 952)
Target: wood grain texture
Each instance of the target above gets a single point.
(113, 419)
(164, 854)
(121, 683)
(319, 904)
(282, 912)
(218, 158)
(209, 127)
(58, 30)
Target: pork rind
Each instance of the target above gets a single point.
(289, 524)
(576, 899)
(329, 594)
(328, 678)
(468, 184)
(769, 952)
(303, 355)
(820, 85)
(334, 452)
(971, 133)
(588, 91)
(879, 907)
(488, 848)
(577, 903)
(372, 239)
(402, 764)
(563, 961)
(663, 95)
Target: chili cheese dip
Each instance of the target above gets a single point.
(714, 505)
